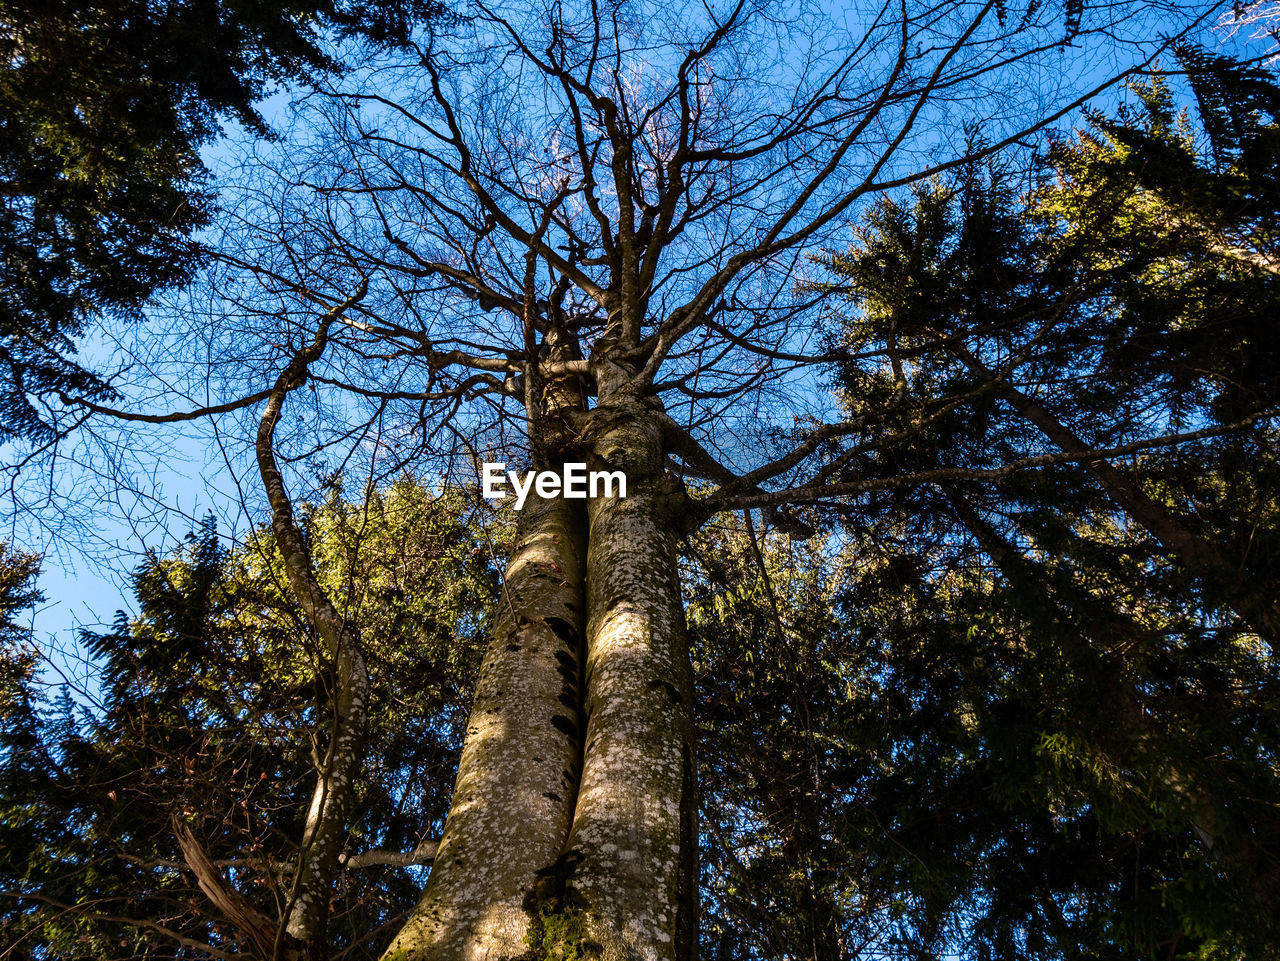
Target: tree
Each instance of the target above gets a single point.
(574, 235)
(105, 107)
(1131, 285)
(178, 813)
(1148, 268)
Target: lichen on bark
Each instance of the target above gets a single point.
(516, 783)
(631, 825)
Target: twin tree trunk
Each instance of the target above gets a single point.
(572, 831)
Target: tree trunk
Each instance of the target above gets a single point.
(332, 801)
(573, 828)
(633, 847)
(333, 798)
(517, 778)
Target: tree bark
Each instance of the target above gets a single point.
(634, 839)
(332, 799)
(573, 830)
(517, 778)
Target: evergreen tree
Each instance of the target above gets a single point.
(171, 820)
(104, 107)
(1091, 652)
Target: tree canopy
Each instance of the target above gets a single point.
(200, 740)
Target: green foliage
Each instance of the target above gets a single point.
(782, 717)
(941, 756)
(19, 664)
(1001, 719)
(104, 107)
(214, 704)
(18, 657)
(1126, 290)
(1172, 225)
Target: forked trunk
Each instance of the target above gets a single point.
(558, 847)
